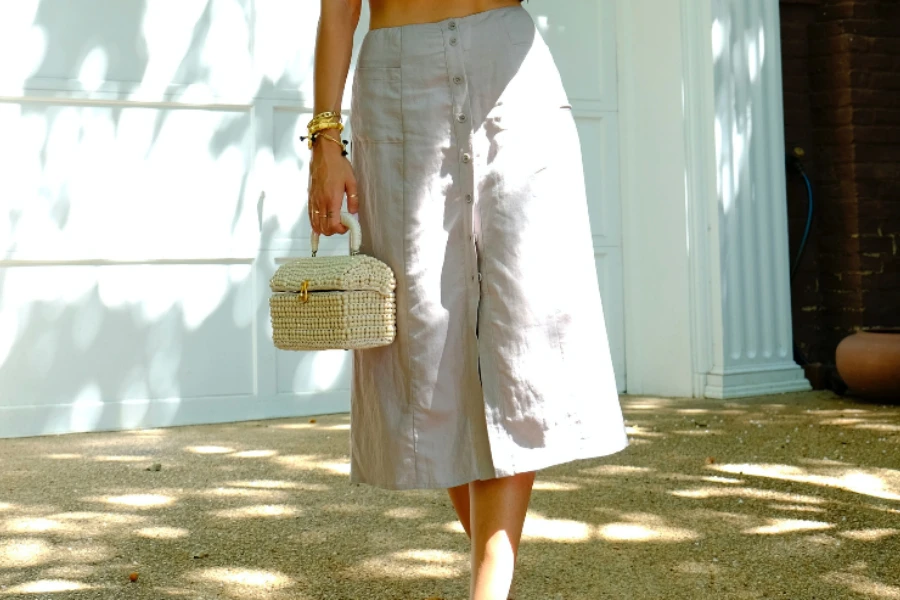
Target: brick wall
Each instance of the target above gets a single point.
(841, 67)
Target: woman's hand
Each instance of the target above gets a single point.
(330, 177)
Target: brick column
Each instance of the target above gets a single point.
(854, 56)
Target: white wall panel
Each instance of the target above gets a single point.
(313, 372)
(599, 137)
(582, 37)
(117, 181)
(102, 335)
(609, 274)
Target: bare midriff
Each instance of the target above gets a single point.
(394, 13)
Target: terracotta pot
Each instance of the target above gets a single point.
(869, 363)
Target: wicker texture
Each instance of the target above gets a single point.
(349, 302)
(358, 272)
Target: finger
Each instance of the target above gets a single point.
(314, 220)
(321, 220)
(337, 226)
(333, 223)
(352, 197)
(324, 224)
(334, 215)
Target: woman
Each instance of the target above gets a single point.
(465, 173)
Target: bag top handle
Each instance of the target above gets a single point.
(355, 234)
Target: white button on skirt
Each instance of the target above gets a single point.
(471, 188)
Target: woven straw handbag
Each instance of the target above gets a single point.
(333, 302)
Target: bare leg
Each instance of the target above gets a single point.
(459, 496)
(497, 515)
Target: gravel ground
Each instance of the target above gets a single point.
(793, 496)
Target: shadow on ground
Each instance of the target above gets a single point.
(794, 496)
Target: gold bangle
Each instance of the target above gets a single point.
(321, 122)
(328, 114)
(323, 126)
(315, 129)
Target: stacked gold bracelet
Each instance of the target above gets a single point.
(321, 122)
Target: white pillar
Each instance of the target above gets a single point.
(753, 352)
(704, 208)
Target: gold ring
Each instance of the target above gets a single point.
(352, 196)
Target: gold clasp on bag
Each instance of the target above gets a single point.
(304, 291)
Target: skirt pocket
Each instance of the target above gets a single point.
(376, 106)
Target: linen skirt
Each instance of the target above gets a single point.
(470, 182)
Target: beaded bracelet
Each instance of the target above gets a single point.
(315, 136)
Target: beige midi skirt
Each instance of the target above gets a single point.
(471, 188)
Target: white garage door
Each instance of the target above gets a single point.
(152, 180)
(582, 37)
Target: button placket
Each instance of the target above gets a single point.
(465, 183)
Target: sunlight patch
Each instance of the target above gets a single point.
(776, 526)
(634, 532)
(294, 426)
(36, 525)
(163, 533)
(454, 527)
(26, 552)
(887, 427)
(797, 507)
(878, 483)
(617, 470)
(209, 449)
(869, 535)
(45, 586)
(639, 431)
(555, 486)
(92, 517)
(864, 585)
(141, 500)
(745, 492)
(255, 453)
(262, 510)
(642, 527)
(417, 564)
(244, 577)
(339, 427)
(281, 485)
(309, 462)
(538, 527)
(236, 492)
(716, 479)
